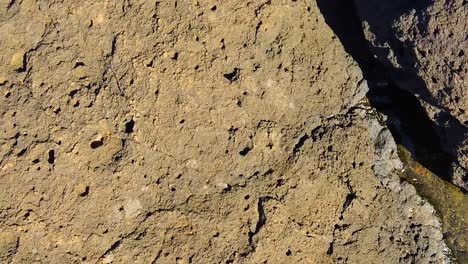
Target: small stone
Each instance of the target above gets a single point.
(173, 55)
(80, 73)
(148, 62)
(82, 189)
(75, 102)
(18, 61)
(223, 186)
(88, 23)
(132, 208)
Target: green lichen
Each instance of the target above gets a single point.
(448, 200)
(403, 154)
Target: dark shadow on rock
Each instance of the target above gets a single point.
(380, 15)
(408, 121)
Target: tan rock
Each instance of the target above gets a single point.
(18, 61)
(88, 23)
(80, 73)
(8, 246)
(81, 189)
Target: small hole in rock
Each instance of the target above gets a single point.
(129, 126)
(288, 253)
(213, 8)
(51, 158)
(423, 53)
(245, 151)
(86, 192)
(73, 93)
(279, 182)
(21, 153)
(96, 144)
(79, 64)
(232, 76)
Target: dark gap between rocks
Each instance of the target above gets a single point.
(407, 120)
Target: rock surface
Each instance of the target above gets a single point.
(195, 132)
(423, 44)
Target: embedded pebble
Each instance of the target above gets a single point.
(18, 61)
(82, 189)
(88, 23)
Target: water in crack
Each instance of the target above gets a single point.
(450, 203)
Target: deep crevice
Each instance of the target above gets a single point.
(260, 223)
(407, 120)
(300, 143)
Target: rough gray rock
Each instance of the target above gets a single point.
(423, 45)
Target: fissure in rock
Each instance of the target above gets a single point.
(406, 118)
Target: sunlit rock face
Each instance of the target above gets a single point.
(195, 132)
